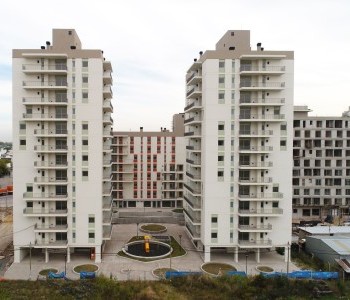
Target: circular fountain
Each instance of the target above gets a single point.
(147, 249)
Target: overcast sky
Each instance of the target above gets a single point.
(152, 43)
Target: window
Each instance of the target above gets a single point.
(214, 219)
(221, 127)
(220, 158)
(85, 64)
(221, 81)
(221, 66)
(85, 173)
(214, 235)
(221, 97)
(85, 79)
(85, 95)
(85, 126)
(22, 126)
(85, 158)
(91, 235)
(220, 173)
(22, 142)
(85, 142)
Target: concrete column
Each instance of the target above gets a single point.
(287, 253)
(236, 254)
(97, 254)
(47, 255)
(207, 254)
(257, 255)
(68, 255)
(18, 255)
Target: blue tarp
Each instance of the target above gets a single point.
(52, 275)
(236, 273)
(304, 274)
(173, 274)
(87, 275)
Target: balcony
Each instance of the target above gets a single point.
(194, 176)
(29, 196)
(256, 165)
(194, 92)
(255, 149)
(107, 119)
(107, 91)
(256, 70)
(261, 196)
(193, 120)
(107, 147)
(50, 132)
(107, 191)
(45, 117)
(194, 106)
(51, 180)
(59, 69)
(107, 176)
(51, 148)
(45, 85)
(194, 202)
(255, 228)
(50, 165)
(194, 78)
(255, 133)
(107, 203)
(258, 118)
(59, 101)
(193, 231)
(107, 66)
(107, 217)
(255, 243)
(107, 106)
(261, 101)
(194, 133)
(195, 217)
(253, 86)
(51, 244)
(107, 163)
(194, 189)
(257, 181)
(107, 232)
(107, 77)
(50, 228)
(260, 212)
(30, 212)
(194, 162)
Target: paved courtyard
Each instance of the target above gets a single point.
(123, 268)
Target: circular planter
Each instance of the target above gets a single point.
(138, 246)
(86, 268)
(216, 269)
(153, 228)
(264, 269)
(160, 272)
(44, 272)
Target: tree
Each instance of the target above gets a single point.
(4, 169)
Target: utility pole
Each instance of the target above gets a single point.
(287, 259)
(246, 264)
(30, 260)
(65, 264)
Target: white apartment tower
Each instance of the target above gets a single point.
(239, 130)
(148, 167)
(321, 153)
(62, 148)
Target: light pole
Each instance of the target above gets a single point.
(30, 260)
(65, 264)
(246, 264)
(137, 230)
(180, 236)
(287, 259)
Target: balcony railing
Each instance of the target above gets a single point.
(192, 189)
(256, 149)
(44, 116)
(244, 243)
(50, 131)
(262, 69)
(261, 117)
(255, 180)
(193, 201)
(256, 133)
(39, 67)
(262, 196)
(30, 195)
(193, 161)
(262, 84)
(192, 231)
(44, 211)
(53, 83)
(273, 211)
(50, 164)
(40, 100)
(255, 227)
(193, 216)
(55, 148)
(253, 164)
(50, 179)
(52, 227)
(249, 100)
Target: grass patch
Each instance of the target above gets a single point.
(153, 228)
(46, 272)
(218, 268)
(177, 249)
(178, 210)
(264, 269)
(160, 272)
(85, 268)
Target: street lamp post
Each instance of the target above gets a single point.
(246, 264)
(180, 236)
(287, 259)
(137, 230)
(30, 260)
(65, 264)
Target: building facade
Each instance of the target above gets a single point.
(148, 167)
(321, 153)
(62, 148)
(238, 129)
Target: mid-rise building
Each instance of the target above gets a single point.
(62, 148)
(321, 152)
(238, 129)
(148, 167)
